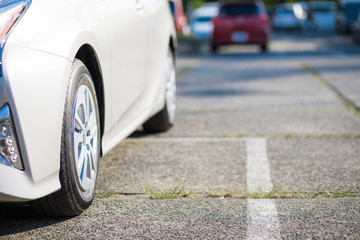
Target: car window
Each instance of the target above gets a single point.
(172, 7)
(323, 10)
(240, 9)
(283, 10)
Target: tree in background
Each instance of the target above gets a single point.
(192, 4)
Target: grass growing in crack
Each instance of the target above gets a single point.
(286, 193)
(173, 193)
(277, 192)
(215, 194)
(106, 195)
(349, 105)
(282, 193)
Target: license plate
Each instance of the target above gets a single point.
(239, 37)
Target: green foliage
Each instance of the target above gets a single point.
(199, 3)
(224, 194)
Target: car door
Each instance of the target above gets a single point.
(126, 31)
(158, 18)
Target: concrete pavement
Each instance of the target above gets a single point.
(306, 139)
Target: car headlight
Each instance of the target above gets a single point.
(9, 151)
(10, 12)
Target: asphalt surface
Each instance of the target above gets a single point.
(295, 110)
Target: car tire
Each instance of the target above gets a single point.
(356, 38)
(80, 149)
(214, 49)
(165, 119)
(264, 48)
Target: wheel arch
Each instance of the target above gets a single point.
(173, 46)
(89, 57)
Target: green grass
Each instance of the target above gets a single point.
(172, 193)
(224, 194)
(285, 193)
(106, 195)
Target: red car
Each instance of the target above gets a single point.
(242, 22)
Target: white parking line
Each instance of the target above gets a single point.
(262, 217)
(257, 165)
(263, 220)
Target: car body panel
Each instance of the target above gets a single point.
(356, 29)
(285, 16)
(346, 15)
(37, 60)
(34, 102)
(324, 14)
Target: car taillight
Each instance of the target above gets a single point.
(264, 19)
(215, 21)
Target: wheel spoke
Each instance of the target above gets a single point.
(85, 176)
(78, 140)
(78, 121)
(81, 162)
(92, 164)
(93, 155)
(85, 138)
(93, 133)
(86, 106)
(91, 122)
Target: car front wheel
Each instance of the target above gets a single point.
(80, 148)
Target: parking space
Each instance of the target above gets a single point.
(200, 165)
(319, 218)
(266, 150)
(324, 164)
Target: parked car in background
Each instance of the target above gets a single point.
(288, 16)
(76, 77)
(270, 11)
(177, 11)
(324, 14)
(346, 15)
(356, 29)
(241, 23)
(201, 20)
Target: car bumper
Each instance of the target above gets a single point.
(202, 35)
(253, 37)
(33, 85)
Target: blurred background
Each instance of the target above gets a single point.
(205, 26)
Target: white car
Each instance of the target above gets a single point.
(288, 16)
(201, 24)
(76, 78)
